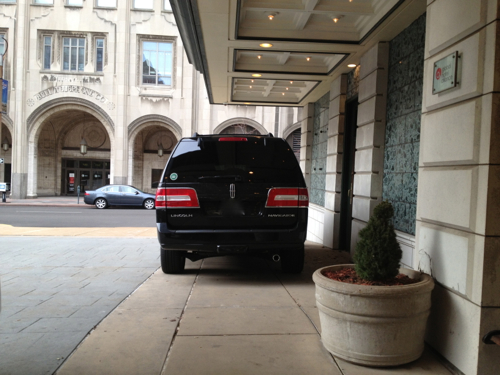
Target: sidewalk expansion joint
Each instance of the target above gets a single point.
(181, 316)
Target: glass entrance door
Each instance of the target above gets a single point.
(86, 174)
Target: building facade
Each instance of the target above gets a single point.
(118, 75)
(114, 76)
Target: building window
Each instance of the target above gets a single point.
(45, 2)
(99, 55)
(155, 177)
(73, 54)
(47, 52)
(74, 3)
(143, 4)
(7, 1)
(106, 3)
(166, 5)
(157, 63)
(2, 43)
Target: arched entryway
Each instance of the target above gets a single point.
(151, 140)
(58, 165)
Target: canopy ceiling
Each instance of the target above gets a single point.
(313, 41)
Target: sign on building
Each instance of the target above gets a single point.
(445, 73)
(5, 94)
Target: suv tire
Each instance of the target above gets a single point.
(292, 261)
(172, 262)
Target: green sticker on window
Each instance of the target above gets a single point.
(174, 176)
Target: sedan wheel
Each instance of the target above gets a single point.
(101, 203)
(149, 204)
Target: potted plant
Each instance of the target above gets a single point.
(381, 320)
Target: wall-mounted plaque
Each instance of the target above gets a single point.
(445, 73)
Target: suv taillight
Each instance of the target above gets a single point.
(177, 198)
(287, 197)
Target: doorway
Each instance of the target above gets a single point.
(85, 174)
(347, 184)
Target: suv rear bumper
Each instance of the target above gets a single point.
(231, 241)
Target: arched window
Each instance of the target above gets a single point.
(240, 129)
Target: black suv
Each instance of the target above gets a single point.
(232, 194)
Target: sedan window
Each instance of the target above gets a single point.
(127, 189)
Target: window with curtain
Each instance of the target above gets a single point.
(157, 61)
(73, 54)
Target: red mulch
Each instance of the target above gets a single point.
(348, 275)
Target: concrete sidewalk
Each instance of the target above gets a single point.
(223, 316)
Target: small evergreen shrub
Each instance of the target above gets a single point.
(378, 254)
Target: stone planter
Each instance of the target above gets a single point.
(373, 325)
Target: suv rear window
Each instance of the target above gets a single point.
(252, 159)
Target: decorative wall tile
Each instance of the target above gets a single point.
(319, 151)
(402, 137)
(353, 83)
(412, 127)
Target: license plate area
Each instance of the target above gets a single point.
(232, 249)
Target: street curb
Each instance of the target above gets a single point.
(46, 205)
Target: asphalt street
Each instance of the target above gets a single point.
(55, 290)
(82, 217)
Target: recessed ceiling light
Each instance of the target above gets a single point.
(259, 56)
(337, 18)
(287, 88)
(256, 75)
(283, 93)
(291, 82)
(351, 65)
(266, 45)
(252, 80)
(250, 86)
(308, 58)
(271, 16)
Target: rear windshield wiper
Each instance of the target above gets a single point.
(236, 177)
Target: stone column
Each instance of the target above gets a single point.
(458, 207)
(126, 59)
(306, 142)
(20, 54)
(334, 158)
(369, 156)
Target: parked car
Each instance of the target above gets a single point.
(119, 195)
(232, 195)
